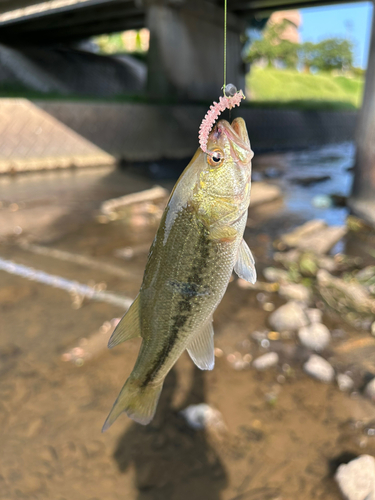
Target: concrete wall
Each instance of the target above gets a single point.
(48, 134)
(67, 71)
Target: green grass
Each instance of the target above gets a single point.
(291, 89)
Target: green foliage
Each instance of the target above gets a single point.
(110, 44)
(327, 55)
(290, 88)
(272, 48)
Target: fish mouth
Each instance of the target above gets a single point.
(236, 137)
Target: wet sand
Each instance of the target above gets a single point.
(286, 433)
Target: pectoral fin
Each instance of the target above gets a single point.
(201, 349)
(129, 326)
(245, 265)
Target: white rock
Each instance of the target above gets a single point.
(370, 390)
(315, 336)
(356, 479)
(293, 238)
(202, 416)
(344, 382)
(319, 368)
(295, 291)
(290, 316)
(265, 361)
(275, 274)
(314, 315)
(262, 192)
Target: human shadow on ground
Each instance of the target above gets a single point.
(171, 460)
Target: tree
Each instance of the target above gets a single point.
(327, 55)
(272, 48)
(333, 53)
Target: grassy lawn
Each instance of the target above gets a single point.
(289, 88)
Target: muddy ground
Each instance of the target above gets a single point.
(286, 433)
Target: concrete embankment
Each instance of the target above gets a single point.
(56, 134)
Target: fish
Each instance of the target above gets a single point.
(197, 246)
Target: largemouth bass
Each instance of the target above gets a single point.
(198, 244)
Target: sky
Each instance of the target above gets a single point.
(351, 21)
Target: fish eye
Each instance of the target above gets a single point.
(215, 158)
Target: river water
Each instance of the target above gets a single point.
(286, 432)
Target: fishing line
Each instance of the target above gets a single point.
(225, 44)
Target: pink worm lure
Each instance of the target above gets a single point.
(212, 114)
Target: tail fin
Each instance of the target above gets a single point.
(139, 403)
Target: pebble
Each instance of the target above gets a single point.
(315, 336)
(265, 361)
(319, 368)
(356, 480)
(314, 315)
(370, 390)
(290, 316)
(202, 416)
(273, 274)
(344, 382)
(373, 329)
(295, 291)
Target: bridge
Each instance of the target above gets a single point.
(186, 47)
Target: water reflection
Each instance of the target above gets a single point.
(172, 461)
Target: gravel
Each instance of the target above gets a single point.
(290, 316)
(370, 390)
(344, 382)
(356, 479)
(319, 368)
(295, 291)
(315, 336)
(265, 361)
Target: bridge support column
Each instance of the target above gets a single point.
(362, 199)
(186, 50)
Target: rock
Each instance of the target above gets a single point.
(322, 201)
(288, 257)
(319, 368)
(344, 382)
(262, 192)
(370, 390)
(322, 241)
(356, 479)
(290, 316)
(203, 416)
(349, 294)
(265, 361)
(314, 315)
(294, 237)
(273, 274)
(327, 263)
(314, 236)
(295, 291)
(315, 336)
(308, 181)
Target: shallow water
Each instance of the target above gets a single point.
(286, 432)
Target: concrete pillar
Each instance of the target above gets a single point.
(362, 199)
(186, 50)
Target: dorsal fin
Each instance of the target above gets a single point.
(245, 265)
(201, 349)
(129, 326)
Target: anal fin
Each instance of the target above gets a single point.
(129, 326)
(201, 349)
(245, 265)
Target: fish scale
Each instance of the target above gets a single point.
(198, 244)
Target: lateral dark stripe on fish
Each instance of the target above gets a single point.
(185, 304)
